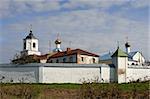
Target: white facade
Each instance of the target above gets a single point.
(30, 45)
(84, 59)
(139, 58)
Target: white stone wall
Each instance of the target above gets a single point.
(105, 74)
(70, 75)
(138, 72)
(18, 74)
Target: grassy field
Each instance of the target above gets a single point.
(75, 91)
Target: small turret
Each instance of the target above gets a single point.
(58, 43)
(127, 45)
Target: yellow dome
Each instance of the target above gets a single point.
(57, 41)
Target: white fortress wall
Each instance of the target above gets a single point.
(54, 73)
(107, 74)
(67, 73)
(18, 73)
(74, 73)
(138, 72)
(70, 75)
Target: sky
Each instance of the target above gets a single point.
(92, 25)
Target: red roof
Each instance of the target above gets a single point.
(72, 52)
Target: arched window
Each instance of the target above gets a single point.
(132, 63)
(34, 45)
(93, 60)
(82, 59)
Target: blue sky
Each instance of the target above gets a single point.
(93, 25)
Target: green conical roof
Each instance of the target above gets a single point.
(119, 53)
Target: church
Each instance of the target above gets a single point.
(79, 56)
(134, 58)
(73, 66)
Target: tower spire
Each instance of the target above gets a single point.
(118, 44)
(31, 29)
(127, 39)
(58, 36)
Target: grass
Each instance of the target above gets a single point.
(68, 90)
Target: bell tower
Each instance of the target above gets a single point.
(30, 45)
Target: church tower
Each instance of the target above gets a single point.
(30, 45)
(127, 46)
(58, 43)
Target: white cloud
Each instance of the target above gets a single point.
(9, 8)
(140, 3)
(90, 29)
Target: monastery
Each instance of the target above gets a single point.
(73, 65)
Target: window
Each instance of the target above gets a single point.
(93, 60)
(82, 59)
(51, 61)
(71, 59)
(64, 60)
(132, 63)
(34, 45)
(57, 61)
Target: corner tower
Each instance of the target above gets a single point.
(120, 60)
(30, 45)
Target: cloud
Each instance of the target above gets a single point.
(140, 3)
(91, 29)
(12, 8)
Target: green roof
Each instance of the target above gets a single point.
(119, 53)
